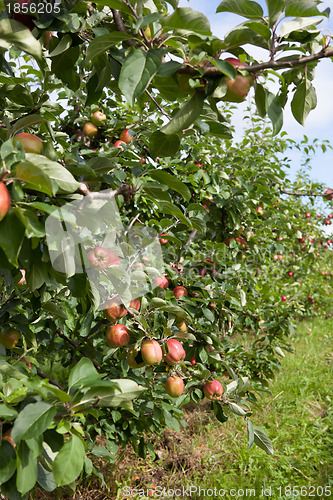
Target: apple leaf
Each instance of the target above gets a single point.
(137, 72)
(161, 145)
(11, 237)
(244, 8)
(68, 463)
(262, 440)
(184, 18)
(186, 115)
(172, 182)
(7, 461)
(14, 32)
(275, 112)
(83, 372)
(303, 8)
(101, 44)
(304, 100)
(56, 172)
(33, 420)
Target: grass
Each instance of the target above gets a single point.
(298, 418)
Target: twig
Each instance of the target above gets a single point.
(46, 377)
(121, 27)
(299, 193)
(127, 190)
(157, 105)
(76, 346)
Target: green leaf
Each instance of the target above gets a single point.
(55, 310)
(14, 32)
(33, 420)
(275, 112)
(64, 66)
(304, 100)
(188, 19)
(27, 121)
(45, 478)
(161, 145)
(115, 4)
(26, 476)
(262, 440)
(62, 46)
(33, 227)
(219, 129)
(113, 396)
(208, 314)
(245, 8)
(7, 412)
(101, 44)
(250, 434)
(7, 461)
(301, 23)
(275, 10)
(259, 27)
(11, 237)
(186, 115)
(56, 172)
(260, 98)
(35, 177)
(68, 464)
(37, 275)
(172, 182)
(83, 372)
(137, 72)
(238, 410)
(226, 68)
(241, 34)
(169, 208)
(303, 8)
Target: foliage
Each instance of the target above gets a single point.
(180, 174)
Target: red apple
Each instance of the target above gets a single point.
(30, 142)
(179, 291)
(119, 144)
(213, 390)
(260, 210)
(135, 304)
(290, 273)
(275, 257)
(302, 240)
(151, 352)
(10, 338)
(330, 216)
(280, 257)
(98, 118)
(161, 281)
(238, 87)
(117, 336)
(101, 258)
(328, 195)
(328, 222)
(4, 200)
(193, 361)
(24, 18)
(284, 298)
(174, 386)
(89, 129)
(115, 309)
(163, 241)
(176, 353)
(134, 358)
(307, 214)
(125, 136)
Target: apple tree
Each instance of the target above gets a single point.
(138, 241)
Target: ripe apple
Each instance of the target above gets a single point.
(134, 358)
(101, 257)
(284, 298)
(98, 118)
(125, 136)
(328, 222)
(290, 273)
(161, 281)
(203, 272)
(213, 390)
(280, 257)
(238, 87)
(30, 142)
(330, 216)
(193, 360)
(117, 336)
(328, 195)
(135, 304)
(174, 386)
(176, 353)
(179, 291)
(302, 240)
(89, 129)
(4, 200)
(260, 210)
(10, 338)
(275, 257)
(119, 144)
(151, 352)
(115, 309)
(25, 19)
(163, 241)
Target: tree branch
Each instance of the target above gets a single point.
(118, 20)
(299, 193)
(46, 377)
(76, 346)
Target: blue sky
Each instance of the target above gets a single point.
(319, 123)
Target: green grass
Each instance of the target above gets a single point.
(298, 418)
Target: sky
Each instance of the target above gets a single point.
(319, 123)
